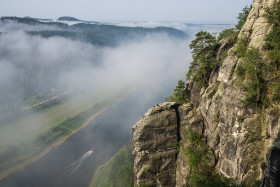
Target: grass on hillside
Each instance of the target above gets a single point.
(118, 171)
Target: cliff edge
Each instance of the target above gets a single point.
(215, 134)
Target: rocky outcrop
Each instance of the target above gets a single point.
(244, 133)
(256, 26)
(238, 137)
(158, 158)
(155, 139)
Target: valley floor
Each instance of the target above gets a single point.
(37, 132)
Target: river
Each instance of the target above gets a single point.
(107, 133)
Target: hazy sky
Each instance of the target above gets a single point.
(127, 10)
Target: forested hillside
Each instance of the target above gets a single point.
(96, 34)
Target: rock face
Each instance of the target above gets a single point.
(154, 141)
(239, 137)
(158, 159)
(272, 172)
(256, 26)
(236, 126)
(189, 120)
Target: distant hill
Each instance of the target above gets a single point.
(38, 19)
(68, 18)
(96, 34)
(30, 21)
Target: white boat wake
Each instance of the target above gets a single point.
(73, 167)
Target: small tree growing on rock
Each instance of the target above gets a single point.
(179, 95)
(204, 61)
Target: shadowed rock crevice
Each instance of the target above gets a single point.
(271, 174)
(178, 123)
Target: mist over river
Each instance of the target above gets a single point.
(152, 64)
(107, 133)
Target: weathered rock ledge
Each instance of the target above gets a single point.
(158, 158)
(155, 138)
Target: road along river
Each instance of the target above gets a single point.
(74, 162)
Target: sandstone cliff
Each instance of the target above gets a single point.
(237, 137)
(155, 138)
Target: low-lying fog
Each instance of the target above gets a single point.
(31, 65)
